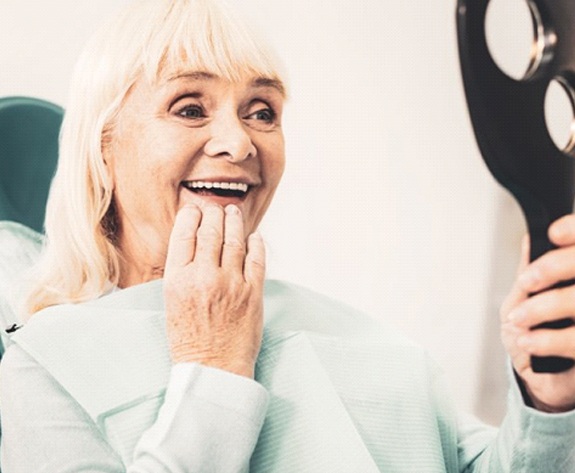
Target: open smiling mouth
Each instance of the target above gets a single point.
(220, 189)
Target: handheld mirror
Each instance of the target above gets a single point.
(508, 113)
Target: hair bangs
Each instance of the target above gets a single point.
(207, 36)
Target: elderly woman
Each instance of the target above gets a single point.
(155, 345)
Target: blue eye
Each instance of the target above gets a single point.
(266, 115)
(191, 111)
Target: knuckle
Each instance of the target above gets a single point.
(257, 262)
(183, 235)
(234, 244)
(210, 233)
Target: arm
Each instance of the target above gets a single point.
(528, 441)
(538, 433)
(200, 427)
(213, 409)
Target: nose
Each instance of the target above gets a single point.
(229, 139)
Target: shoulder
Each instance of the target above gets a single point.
(23, 377)
(112, 312)
(19, 249)
(15, 236)
(292, 307)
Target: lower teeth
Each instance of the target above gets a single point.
(219, 192)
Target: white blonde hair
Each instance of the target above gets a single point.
(149, 39)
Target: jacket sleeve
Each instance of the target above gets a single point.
(210, 421)
(528, 441)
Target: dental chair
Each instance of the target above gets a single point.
(29, 130)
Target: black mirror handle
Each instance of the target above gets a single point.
(510, 128)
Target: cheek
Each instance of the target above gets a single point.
(274, 163)
(146, 163)
(140, 181)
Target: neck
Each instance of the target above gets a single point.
(142, 261)
(133, 276)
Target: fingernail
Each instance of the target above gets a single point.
(232, 209)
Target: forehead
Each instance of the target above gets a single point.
(143, 91)
(250, 80)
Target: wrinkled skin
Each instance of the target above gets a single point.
(195, 128)
(214, 290)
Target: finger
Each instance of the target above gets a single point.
(562, 231)
(255, 266)
(525, 253)
(517, 294)
(210, 236)
(510, 333)
(234, 249)
(549, 342)
(544, 307)
(551, 268)
(522, 363)
(182, 244)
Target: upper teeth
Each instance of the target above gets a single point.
(235, 186)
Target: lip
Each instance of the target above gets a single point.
(239, 180)
(198, 198)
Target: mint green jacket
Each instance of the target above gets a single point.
(335, 391)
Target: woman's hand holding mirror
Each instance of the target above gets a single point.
(530, 304)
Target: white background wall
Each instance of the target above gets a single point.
(386, 203)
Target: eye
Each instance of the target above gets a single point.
(261, 114)
(191, 111)
(265, 114)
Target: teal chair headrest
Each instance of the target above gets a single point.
(29, 130)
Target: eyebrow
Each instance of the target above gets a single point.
(267, 82)
(196, 75)
(257, 82)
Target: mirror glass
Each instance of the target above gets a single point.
(560, 114)
(512, 30)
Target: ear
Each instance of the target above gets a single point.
(107, 152)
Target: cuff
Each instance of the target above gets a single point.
(230, 391)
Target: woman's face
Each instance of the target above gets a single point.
(193, 138)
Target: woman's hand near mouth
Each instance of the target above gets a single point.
(213, 287)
